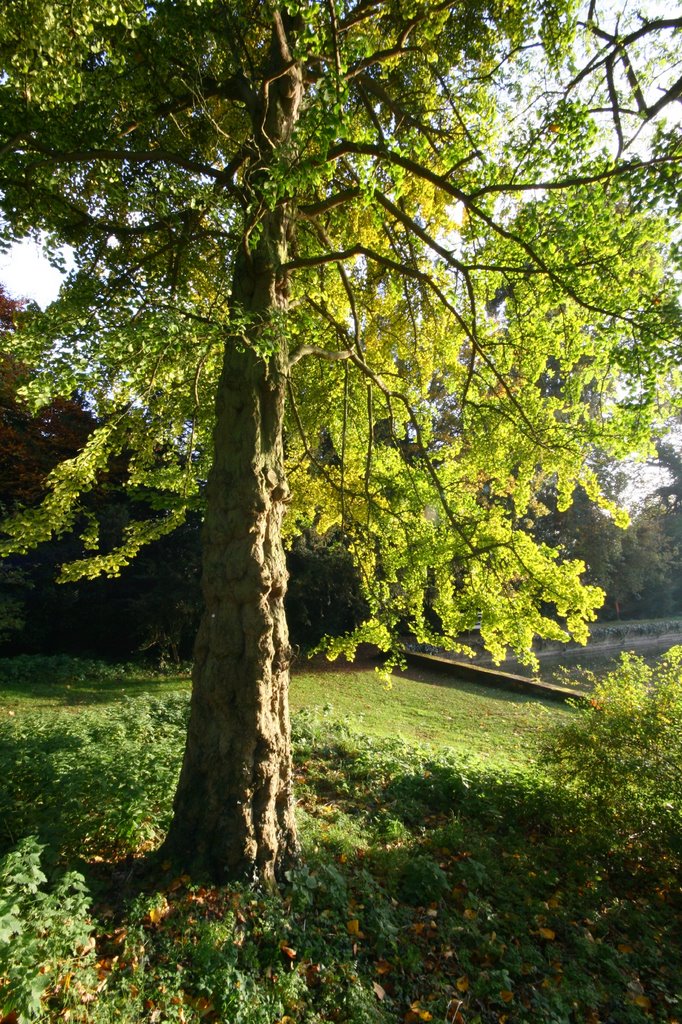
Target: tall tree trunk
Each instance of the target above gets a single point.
(233, 812)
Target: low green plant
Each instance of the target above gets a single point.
(431, 883)
(57, 669)
(96, 782)
(45, 935)
(620, 756)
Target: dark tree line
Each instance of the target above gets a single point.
(639, 568)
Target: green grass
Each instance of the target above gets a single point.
(431, 709)
(478, 721)
(446, 881)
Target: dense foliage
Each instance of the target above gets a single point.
(476, 286)
(622, 756)
(153, 606)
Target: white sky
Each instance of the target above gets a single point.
(26, 273)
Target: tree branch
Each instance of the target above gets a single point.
(328, 355)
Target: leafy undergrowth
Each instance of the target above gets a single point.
(431, 888)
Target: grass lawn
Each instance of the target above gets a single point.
(443, 877)
(422, 707)
(429, 708)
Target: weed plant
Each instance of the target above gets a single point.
(433, 887)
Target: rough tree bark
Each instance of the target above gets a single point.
(233, 812)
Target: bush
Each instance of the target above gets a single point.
(45, 935)
(621, 755)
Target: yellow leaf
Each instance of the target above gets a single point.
(157, 914)
(623, 947)
(353, 926)
(547, 933)
(642, 1001)
(506, 996)
(470, 914)
(462, 984)
(382, 967)
(287, 950)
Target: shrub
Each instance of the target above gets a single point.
(621, 755)
(45, 934)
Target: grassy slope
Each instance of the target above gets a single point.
(471, 719)
(476, 720)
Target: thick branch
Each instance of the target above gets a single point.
(329, 355)
(310, 210)
(125, 156)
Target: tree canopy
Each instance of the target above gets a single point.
(391, 263)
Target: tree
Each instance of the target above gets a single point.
(636, 566)
(320, 234)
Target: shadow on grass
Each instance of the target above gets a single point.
(441, 875)
(76, 681)
(77, 695)
(100, 783)
(500, 692)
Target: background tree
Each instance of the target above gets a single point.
(154, 607)
(638, 565)
(367, 213)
